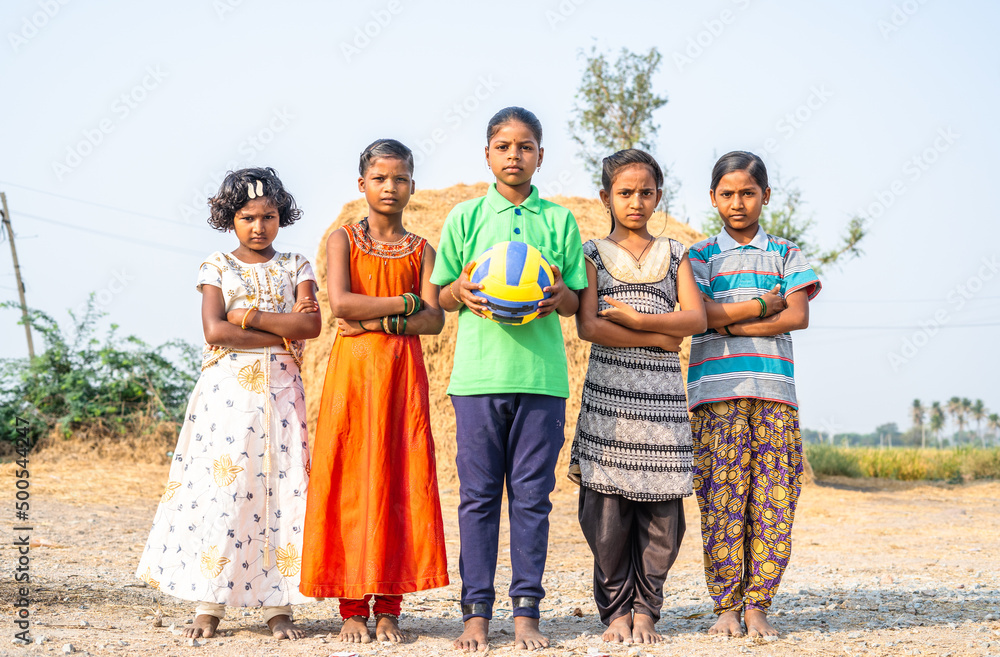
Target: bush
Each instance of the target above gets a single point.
(831, 461)
(80, 384)
(906, 464)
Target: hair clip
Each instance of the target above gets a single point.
(254, 194)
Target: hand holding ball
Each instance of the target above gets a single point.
(513, 276)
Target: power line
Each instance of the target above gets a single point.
(937, 300)
(154, 217)
(101, 205)
(904, 327)
(123, 238)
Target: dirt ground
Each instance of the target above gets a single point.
(878, 568)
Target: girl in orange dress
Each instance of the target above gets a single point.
(373, 518)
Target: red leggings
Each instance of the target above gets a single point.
(384, 604)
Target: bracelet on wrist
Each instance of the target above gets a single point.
(763, 307)
(243, 324)
(726, 329)
(451, 288)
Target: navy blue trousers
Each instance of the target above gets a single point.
(514, 439)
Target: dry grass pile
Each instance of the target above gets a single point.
(424, 216)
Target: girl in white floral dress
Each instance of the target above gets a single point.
(228, 530)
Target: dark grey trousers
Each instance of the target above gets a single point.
(634, 546)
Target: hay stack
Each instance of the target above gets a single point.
(424, 216)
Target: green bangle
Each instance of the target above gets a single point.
(415, 300)
(763, 307)
(726, 329)
(402, 328)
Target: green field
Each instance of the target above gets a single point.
(905, 464)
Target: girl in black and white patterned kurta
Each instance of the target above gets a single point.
(632, 451)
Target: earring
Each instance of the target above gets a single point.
(539, 168)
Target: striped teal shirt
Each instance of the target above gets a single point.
(726, 367)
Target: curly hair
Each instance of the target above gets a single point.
(234, 194)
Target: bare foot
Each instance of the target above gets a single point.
(282, 627)
(526, 634)
(204, 626)
(728, 624)
(387, 629)
(757, 625)
(644, 630)
(619, 630)
(474, 637)
(355, 630)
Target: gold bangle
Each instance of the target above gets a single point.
(451, 288)
(243, 324)
(288, 345)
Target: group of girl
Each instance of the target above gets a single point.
(249, 518)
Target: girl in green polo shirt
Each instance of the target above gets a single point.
(509, 383)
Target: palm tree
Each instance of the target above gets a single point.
(917, 412)
(993, 424)
(979, 413)
(937, 421)
(955, 410)
(963, 416)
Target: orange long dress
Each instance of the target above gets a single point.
(373, 517)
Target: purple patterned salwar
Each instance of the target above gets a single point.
(747, 477)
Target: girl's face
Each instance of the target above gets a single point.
(387, 185)
(513, 154)
(256, 224)
(740, 200)
(633, 196)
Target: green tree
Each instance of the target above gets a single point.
(783, 216)
(917, 412)
(80, 381)
(965, 407)
(993, 424)
(614, 110)
(978, 412)
(955, 411)
(936, 421)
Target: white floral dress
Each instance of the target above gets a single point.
(229, 525)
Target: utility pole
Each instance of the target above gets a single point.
(17, 273)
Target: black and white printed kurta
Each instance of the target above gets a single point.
(633, 437)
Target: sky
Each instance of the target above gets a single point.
(121, 118)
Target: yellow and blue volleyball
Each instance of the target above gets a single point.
(513, 275)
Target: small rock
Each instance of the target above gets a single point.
(194, 643)
(68, 648)
(579, 613)
(771, 638)
(991, 617)
(84, 623)
(854, 635)
(39, 640)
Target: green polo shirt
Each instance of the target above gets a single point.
(496, 358)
